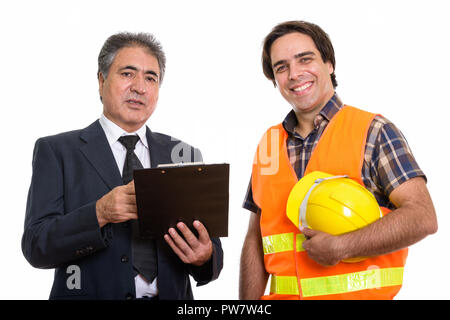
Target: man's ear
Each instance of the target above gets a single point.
(101, 81)
(330, 68)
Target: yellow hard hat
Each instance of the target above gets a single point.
(332, 204)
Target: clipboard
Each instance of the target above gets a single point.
(169, 194)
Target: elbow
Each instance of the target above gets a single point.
(31, 258)
(27, 251)
(433, 226)
(433, 223)
(37, 261)
(34, 261)
(430, 212)
(33, 254)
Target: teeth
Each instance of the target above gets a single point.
(303, 87)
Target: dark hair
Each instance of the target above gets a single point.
(320, 38)
(127, 39)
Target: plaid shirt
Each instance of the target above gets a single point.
(388, 160)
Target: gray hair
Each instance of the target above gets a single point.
(127, 39)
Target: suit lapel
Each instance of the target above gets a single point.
(159, 151)
(98, 152)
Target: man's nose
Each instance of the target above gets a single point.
(138, 85)
(295, 71)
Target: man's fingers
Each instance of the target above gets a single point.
(131, 215)
(129, 199)
(191, 239)
(307, 232)
(129, 188)
(203, 235)
(118, 205)
(189, 249)
(179, 242)
(123, 217)
(124, 210)
(175, 248)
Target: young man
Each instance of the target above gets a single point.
(306, 264)
(81, 210)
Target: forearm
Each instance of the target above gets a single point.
(388, 234)
(253, 276)
(55, 239)
(410, 223)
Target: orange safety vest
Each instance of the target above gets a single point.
(340, 151)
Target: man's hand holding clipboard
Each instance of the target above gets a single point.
(186, 205)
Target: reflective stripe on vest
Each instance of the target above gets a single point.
(338, 284)
(282, 242)
(284, 285)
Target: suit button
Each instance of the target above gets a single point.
(124, 259)
(128, 296)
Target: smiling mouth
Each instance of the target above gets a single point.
(302, 87)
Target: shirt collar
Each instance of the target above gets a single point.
(113, 132)
(328, 111)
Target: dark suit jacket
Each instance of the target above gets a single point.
(71, 171)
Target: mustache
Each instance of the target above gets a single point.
(136, 98)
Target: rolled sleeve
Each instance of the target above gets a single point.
(392, 160)
(249, 203)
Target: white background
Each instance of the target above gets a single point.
(392, 58)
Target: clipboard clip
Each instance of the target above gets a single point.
(180, 164)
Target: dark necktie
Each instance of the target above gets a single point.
(143, 250)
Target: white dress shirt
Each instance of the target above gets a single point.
(113, 133)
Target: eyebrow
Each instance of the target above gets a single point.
(136, 69)
(298, 55)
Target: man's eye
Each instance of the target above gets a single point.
(280, 69)
(305, 60)
(152, 79)
(126, 74)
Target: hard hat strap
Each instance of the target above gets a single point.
(304, 204)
